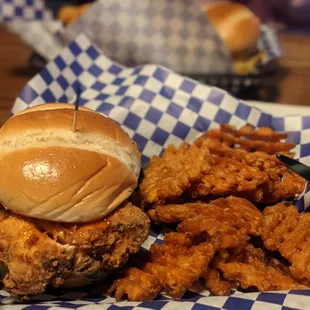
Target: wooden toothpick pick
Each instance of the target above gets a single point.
(76, 109)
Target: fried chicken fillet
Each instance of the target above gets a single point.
(38, 253)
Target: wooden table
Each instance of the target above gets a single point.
(295, 88)
(14, 55)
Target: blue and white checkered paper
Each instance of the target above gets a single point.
(24, 10)
(174, 33)
(156, 107)
(35, 24)
(43, 35)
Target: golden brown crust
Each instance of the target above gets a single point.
(136, 285)
(253, 268)
(38, 253)
(238, 208)
(287, 231)
(167, 177)
(178, 266)
(216, 284)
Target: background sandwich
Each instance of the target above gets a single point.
(239, 29)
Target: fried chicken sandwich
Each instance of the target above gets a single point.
(240, 30)
(65, 214)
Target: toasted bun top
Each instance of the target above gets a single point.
(238, 27)
(48, 171)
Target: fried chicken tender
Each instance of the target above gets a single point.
(252, 268)
(215, 284)
(38, 253)
(167, 177)
(135, 285)
(178, 266)
(264, 140)
(239, 207)
(287, 231)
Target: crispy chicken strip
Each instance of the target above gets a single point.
(135, 285)
(178, 266)
(215, 284)
(169, 176)
(38, 253)
(252, 268)
(287, 231)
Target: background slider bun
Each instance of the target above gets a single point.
(238, 27)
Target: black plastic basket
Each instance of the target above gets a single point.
(262, 86)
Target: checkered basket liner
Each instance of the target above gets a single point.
(43, 35)
(156, 107)
(173, 33)
(24, 10)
